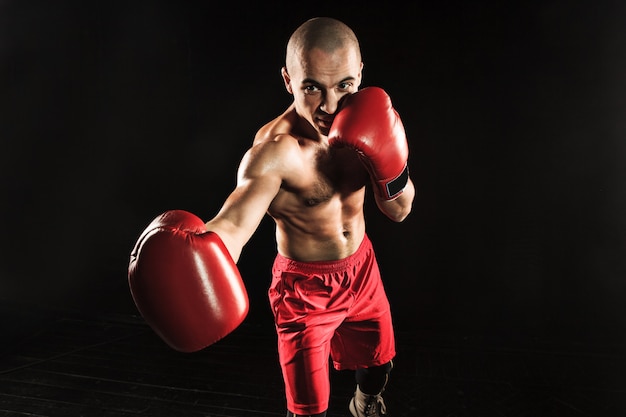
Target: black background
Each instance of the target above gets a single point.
(113, 112)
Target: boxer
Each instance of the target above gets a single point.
(309, 169)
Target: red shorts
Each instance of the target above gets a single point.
(335, 309)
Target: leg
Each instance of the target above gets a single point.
(305, 323)
(306, 375)
(365, 342)
(372, 381)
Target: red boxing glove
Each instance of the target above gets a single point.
(368, 123)
(185, 283)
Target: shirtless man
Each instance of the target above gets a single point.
(309, 169)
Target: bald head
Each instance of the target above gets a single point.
(324, 33)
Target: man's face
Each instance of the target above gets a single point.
(318, 81)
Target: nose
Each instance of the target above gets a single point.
(330, 102)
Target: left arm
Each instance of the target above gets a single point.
(368, 123)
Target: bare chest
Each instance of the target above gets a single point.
(323, 176)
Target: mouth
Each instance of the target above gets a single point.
(324, 123)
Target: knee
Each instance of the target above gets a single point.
(373, 380)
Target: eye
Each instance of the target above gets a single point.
(345, 86)
(311, 89)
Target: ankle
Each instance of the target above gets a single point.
(367, 405)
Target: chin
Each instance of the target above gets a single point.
(322, 128)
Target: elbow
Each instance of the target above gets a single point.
(399, 216)
(399, 208)
(395, 210)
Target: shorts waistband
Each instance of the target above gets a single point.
(334, 265)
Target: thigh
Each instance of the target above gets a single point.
(307, 312)
(364, 343)
(304, 363)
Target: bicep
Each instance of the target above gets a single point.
(258, 182)
(243, 211)
(247, 204)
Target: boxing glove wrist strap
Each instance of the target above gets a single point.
(394, 187)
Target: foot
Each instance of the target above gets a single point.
(364, 405)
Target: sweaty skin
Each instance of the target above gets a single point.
(314, 193)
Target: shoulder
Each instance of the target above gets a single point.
(282, 146)
(276, 143)
(279, 126)
(279, 155)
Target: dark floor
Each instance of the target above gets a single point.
(68, 364)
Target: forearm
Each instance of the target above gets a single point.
(235, 229)
(400, 207)
(230, 234)
(241, 215)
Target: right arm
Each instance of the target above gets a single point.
(181, 279)
(259, 179)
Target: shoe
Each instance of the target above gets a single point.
(364, 405)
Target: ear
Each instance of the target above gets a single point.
(360, 76)
(286, 79)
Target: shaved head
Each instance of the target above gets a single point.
(324, 33)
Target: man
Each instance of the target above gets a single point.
(308, 169)
(315, 193)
